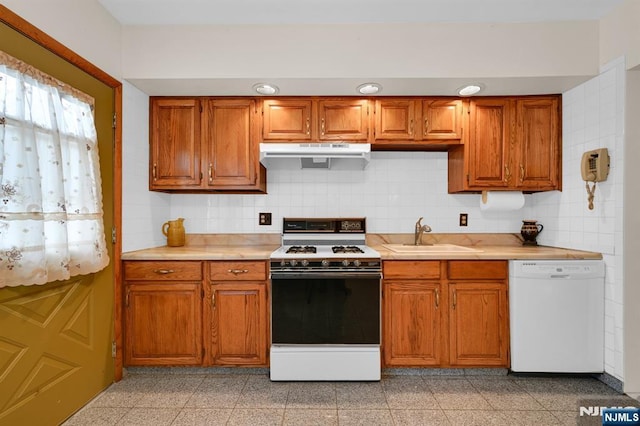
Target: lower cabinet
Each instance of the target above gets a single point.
(239, 315)
(412, 323)
(412, 313)
(173, 315)
(163, 313)
(478, 313)
(446, 313)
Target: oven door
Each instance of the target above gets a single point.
(331, 308)
(325, 326)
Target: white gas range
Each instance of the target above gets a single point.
(325, 302)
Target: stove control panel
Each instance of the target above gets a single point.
(324, 225)
(324, 264)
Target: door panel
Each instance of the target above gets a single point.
(538, 143)
(489, 143)
(478, 320)
(394, 119)
(239, 332)
(230, 141)
(344, 120)
(55, 339)
(412, 323)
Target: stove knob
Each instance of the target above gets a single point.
(325, 262)
(345, 262)
(304, 262)
(293, 262)
(356, 263)
(283, 263)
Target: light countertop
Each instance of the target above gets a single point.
(260, 246)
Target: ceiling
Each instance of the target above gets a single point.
(202, 12)
(274, 12)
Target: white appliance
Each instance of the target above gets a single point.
(325, 302)
(556, 311)
(316, 155)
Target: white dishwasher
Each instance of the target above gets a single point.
(556, 311)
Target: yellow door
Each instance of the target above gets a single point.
(55, 339)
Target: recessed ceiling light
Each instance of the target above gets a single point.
(469, 90)
(266, 89)
(369, 88)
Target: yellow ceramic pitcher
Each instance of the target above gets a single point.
(174, 231)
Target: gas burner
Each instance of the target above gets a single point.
(301, 249)
(347, 249)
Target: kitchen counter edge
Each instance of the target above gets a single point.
(262, 252)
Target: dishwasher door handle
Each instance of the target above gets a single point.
(559, 276)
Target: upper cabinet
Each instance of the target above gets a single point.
(205, 145)
(513, 144)
(418, 122)
(175, 143)
(310, 119)
(230, 130)
(287, 119)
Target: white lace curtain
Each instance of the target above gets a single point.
(51, 220)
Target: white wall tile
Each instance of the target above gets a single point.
(143, 211)
(593, 117)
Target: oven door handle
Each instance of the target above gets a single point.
(326, 275)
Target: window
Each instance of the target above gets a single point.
(51, 217)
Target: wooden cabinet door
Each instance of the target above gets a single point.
(231, 143)
(175, 143)
(478, 319)
(344, 120)
(412, 323)
(537, 156)
(163, 323)
(287, 119)
(441, 119)
(239, 326)
(489, 144)
(395, 119)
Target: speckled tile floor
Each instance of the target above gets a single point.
(252, 399)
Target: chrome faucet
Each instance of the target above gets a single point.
(420, 229)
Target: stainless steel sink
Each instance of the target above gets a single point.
(434, 248)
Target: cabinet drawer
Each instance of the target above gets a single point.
(474, 269)
(411, 269)
(238, 271)
(163, 271)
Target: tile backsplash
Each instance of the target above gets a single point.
(392, 192)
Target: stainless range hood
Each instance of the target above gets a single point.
(315, 155)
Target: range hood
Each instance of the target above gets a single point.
(316, 155)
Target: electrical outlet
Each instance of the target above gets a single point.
(264, 219)
(463, 219)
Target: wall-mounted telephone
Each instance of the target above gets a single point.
(595, 168)
(595, 165)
